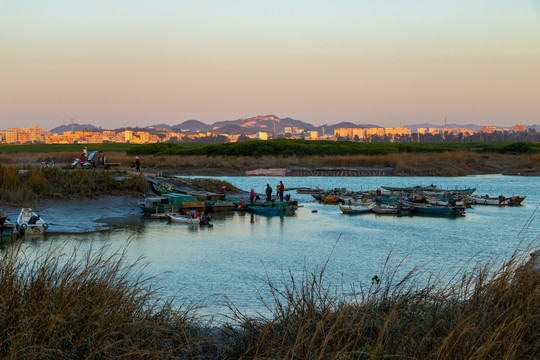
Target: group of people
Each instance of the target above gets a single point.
(279, 190)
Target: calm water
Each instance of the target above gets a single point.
(234, 256)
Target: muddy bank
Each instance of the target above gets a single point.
(84, 215)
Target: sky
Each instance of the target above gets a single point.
(119, 63)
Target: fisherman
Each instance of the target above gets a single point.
(223, 192)
(252, 196)
(3, 219)
(281, 190)
(138, 163)
(268, 192)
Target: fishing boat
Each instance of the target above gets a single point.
(354, 210)
(6, 227)
(355, 201)
(428, 209)
(386, 209)
(489, 200)
(310, 191)
(171, 203)
(190, 218)
(446, 201)
(411, 188)
(330, 199)
(30, 223)
(516, 200)
(273, 207)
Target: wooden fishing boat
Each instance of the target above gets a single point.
(310, 191)
(273, 207)
(487, 200)
(30, 223)
(446, 202)
(355, 201)
(516, 200)
(196, 219)
(385, 209)
(171, 203)
(330, 199)
(428, 209)
(411, 188)
(354, 210)
(6, 227)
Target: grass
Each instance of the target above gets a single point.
(96, 306)
(31, 185)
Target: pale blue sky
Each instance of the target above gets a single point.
(127, 63)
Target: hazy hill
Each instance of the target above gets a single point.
(193, 125)
(158, 127)
(76, 127)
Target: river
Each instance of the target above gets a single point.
(232, 258)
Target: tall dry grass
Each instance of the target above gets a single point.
(93, 306)
(483, 314)
(29, 186)
(96, 306)
(456, 163)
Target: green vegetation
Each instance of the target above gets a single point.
(31, 185)
(301, 148)
(73, 148)
(95, 306)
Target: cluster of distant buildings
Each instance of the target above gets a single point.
(37, 135)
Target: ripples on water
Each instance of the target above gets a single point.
(234, 256)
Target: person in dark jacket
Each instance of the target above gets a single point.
(268, 193)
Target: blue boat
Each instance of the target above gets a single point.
(433, 209)
(273, 207)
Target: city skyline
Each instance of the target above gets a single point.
(127, 64)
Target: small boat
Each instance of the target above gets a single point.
(434, 209)
(310, 191)
(385, 209)
(273, 207)
(30, 223)
(446, 202)
(196, 219)
(411, 188)
(353, 210)
(516, 200)
(330, 199)
(355, 201)
(6, 227)
(487, 200)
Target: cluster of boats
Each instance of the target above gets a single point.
(197, 207)
(430, 200)
(28, 222)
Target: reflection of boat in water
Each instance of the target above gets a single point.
(30, 223)
(6, 227)
(354, 210)
(310, 191)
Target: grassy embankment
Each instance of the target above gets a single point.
(414, 159)
(96, 306)
(31, 185)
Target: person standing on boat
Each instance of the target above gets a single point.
(252, 196)
(223, 192)
(281, 190)
(138, 163)
(268, 192)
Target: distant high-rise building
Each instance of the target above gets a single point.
(520, 128)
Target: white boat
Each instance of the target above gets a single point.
(446, 202)
(352, 210)
(356, 201)
(30, 223)
(188, 219)
(486, 200)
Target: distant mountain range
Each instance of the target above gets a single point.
(76, 127)
(267, 123)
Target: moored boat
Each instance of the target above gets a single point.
(192, 218)
(273, 207)
(6, 227)
(354, 210)
(434, 209)
(30, 223)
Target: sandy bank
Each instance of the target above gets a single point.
(85, 215)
